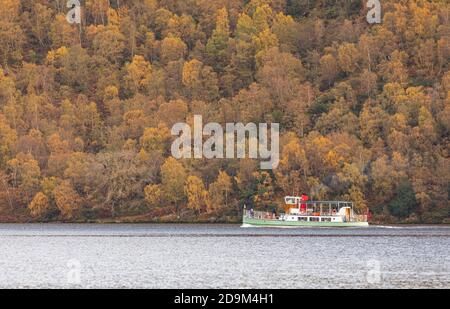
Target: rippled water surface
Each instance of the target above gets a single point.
(222, 256)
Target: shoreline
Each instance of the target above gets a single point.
(189, 220)
(196, 223)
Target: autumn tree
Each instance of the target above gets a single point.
(153, 195)
(285, 28)
(138, 75)
(40, 205)
(25, 172)
(172, 49)
(200, 81)
(281, 74)
(292, 171)
(67, 200)
(173, 178)
(265, 190)
(8, 139)
(61, 33)
(109, 43)
(220, 192)
(116, 180)
(348, 57)
(328, 68)
(156, 139)
(197, 196)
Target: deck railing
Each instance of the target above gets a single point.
(266, 215)
(313, 208)
(260, 215)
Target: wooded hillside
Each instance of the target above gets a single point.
(86, 110)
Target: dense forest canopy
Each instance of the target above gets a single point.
(86, 109)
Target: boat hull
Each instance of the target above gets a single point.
(252, 222)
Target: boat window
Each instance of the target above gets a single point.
(314, 219)
(304, 219)
(290, 201)
(326, 219)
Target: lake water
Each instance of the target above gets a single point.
(222, 256)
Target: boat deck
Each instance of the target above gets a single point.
(314, 213)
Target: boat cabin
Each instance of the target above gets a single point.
(317, 211)
(307, 213)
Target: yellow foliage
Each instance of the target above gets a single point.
(196, 194)
(67, 200)
(153, 195)
(40, 205)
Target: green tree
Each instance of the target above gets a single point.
(404, 201)
(217, 46)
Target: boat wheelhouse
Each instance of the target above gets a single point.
(308, 213)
